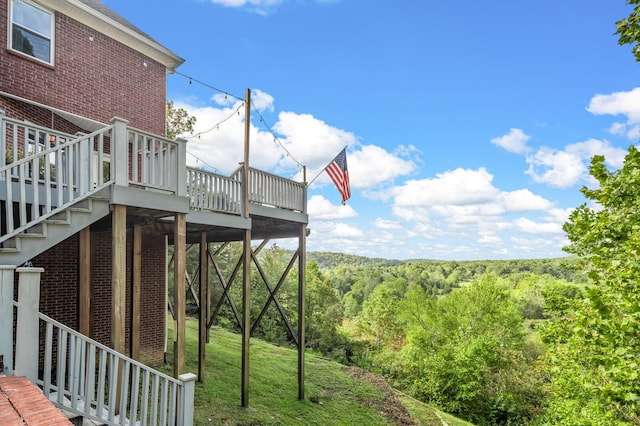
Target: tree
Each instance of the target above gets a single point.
(592, 355)
(178, 121)
(628, 29)
(379, 318)
(467, 353)
(324, 316)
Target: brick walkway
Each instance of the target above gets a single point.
(23, 404)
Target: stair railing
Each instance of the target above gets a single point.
(43, 172)
(93, 381)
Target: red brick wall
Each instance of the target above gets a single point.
(59, 290)
(153, 309)
(59, 282)
(93, 76)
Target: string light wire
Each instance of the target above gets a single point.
(208, 85)
(275, 138)
(262, 120)
(215, 126)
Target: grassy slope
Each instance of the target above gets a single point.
(338, 399)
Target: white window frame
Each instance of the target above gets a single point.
(50, 38)
(98, 169)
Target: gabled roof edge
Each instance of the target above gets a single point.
(113, 25)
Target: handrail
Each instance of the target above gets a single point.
(155, 162)
(274, 191)
(46, 173)
(210, 191)
(92, 380)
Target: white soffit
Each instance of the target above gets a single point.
(83, 122)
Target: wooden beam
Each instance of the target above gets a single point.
(202, 323)
(84, 294)
(118, 276)
(179, 295)
(118, 284)
(226, 285)
(273, 296)
(136, 290)
(302, 288)
(246, 316)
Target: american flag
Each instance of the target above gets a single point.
(337, 171)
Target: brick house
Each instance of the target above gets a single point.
(91, 190)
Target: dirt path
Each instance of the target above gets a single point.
(390, 407)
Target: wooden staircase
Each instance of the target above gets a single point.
(45, 233)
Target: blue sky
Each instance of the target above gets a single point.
(469, 125)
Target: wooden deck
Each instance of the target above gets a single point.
(23, 403)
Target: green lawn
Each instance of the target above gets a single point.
(332, 397)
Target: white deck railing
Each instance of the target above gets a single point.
(155, 161)
(210, 191)
(96, 382)
(274, 191)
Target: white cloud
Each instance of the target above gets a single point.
(514, 141)
(569, 167)
(461, 198)
(312, 141)
(344, 230)
(624, 103)
(261, 7)
(372, 165)
(218, 140)
(558, 168)
(617, 129)
(457, 187)
(387, 225)
(529, 226)
(319, 207)
(466, 215)
(262, 101)
(490, 240)
(558, 215)
(523, 200)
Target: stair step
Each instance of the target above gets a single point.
(46, 231)
(10, 246)
(37, 230)
(84, 206)
(30, 235)
(60, 217)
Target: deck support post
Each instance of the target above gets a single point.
(118, 276)
(84, 296)
(204, 305)
(136, 292)
(246, 315)
(302, 280)
(179, 292)
(118, 285)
